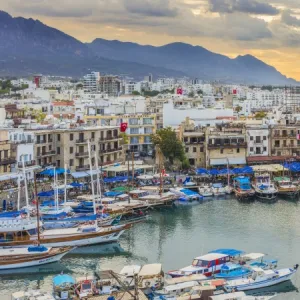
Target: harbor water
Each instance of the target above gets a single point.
(174, 237)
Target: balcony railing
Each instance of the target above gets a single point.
(46, 153)
(82, 168)
(41, 141)
(110, 138)
(229, 146)
(7, 161)
(28, 163)
(82, 154)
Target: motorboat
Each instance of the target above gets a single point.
(257, 260)
(265, 190)
(260, 278)
(231, 271)
(218, 189)
(286, 187)
(150, 277)
(205, 191)
(63, 286)
(242, 188)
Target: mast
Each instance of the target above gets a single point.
(228, 175)
(160, 172)
(92, 181)
(19, 191)
(55, 190)
(98, 178)
(37, 209)
(65, 199)
(25, 182)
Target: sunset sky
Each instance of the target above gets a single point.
(269, 30)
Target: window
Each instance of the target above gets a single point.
(186, 150)
(284, 143)
(292, 143)
(148, 130)
(194, 149)
(71, 162)
(134, 140)
(264, 138)
(134, 121)
(251, 138)
(201, 149)
(238, 150)
(93, 135)
(277, 143)
(251, 149)
(134, 130)
(221, 151)
(58, 137)
(71, 136)
(58, 150)
(71, 150)
(93, 147)
(265, 149)
(58, 163)
(147, 121)
(147, 139)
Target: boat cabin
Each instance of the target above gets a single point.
(86, 286)
(151, 275)
(128, 272)
(232, 270)
(137, 194)
(15, 236)
(63, 287)
(178, 289)
(242, 182)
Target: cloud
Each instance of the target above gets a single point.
(155, 8)
(290, 20)
(243, 6)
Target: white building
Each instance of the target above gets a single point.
(91, 82)
(209, 100)
(257, 140)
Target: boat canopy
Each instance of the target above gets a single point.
(179, 286)
(150, 270)
(252, 256)
(76, 184)
(112, 194)
(230, 267)
(194, 277)
(228, 252)
(212, 256)
(217, 185)
(281, 179)
(189, 192)
(293, 166)
(63, 279)
(51, 172)
(242, 179)
(115, 179)
(129, 271)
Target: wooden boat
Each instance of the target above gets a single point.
(265, 190)
(205, 191)
(14, 258)
(286, 187)
(150, 276)
(218, 189)
(81, 236)
(242, 189)
(162, 199)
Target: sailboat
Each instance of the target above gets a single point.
(81, 236)
(33, 255)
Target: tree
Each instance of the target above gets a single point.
(267, 87)
(151, 93)
(124, 138)
(260, 115)
(79, 86)
(200, 92)
(171, 147)
(192, 94)
(135, 93)
(238, 109)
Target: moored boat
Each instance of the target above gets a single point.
(242, 189)
(265, 190)
(205, 191)
(218, 189)
(232, 271)
(286, 187)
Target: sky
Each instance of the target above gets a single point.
(269, 30)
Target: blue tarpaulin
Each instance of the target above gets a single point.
(115, 179)
(113, 194)
(80, 174)
(63, 279)
(49, 193)
(76, 184)
(202, 171)
(51, 172)
(294, 166)
(230, 252)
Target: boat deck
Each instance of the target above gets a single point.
(121, 295)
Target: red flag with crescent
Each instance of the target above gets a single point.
(123, 127)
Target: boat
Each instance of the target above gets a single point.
(218, 189)
(286, 187)
(186, 195)
(15, 258)
(207, 265)
(257, 260)
(63, 287)
(242, 189)
(242, 296)
(260, 279)
(128, 272)
(232, 271)
(205, 191)
(150, 277)
(265, 190)
(160, 200)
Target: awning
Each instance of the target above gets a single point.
(80, 174)
(231, 161)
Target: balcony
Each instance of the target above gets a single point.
(7, 161)
(284, 136)
(111, 138)
(28, 163)
(113, 150)
(82, 141)
(41, 141)
(82, 154)
(191, 142)
(82, 168)
(227, 146)
(48, 153)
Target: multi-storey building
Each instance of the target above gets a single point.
(193, 138)
(6, 158)
(110, 85)
(69, 147)
(91, 82)
(226, 145)
(140, 127)
(156, 106)
(257, 140)
(63, 109)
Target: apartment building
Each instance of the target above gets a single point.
(257, 140)
(193, 138)
(110, 85)
(6, 157)
(69, 147)
(91, 81)
(140, 126)
(226, 145)
(63, 109)
(156, 106)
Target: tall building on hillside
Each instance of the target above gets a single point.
(110, 85)
(91, 82)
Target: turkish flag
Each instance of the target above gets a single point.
(123, 127)
(179, 91)
(234, 92)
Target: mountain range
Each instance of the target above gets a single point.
(28, 46)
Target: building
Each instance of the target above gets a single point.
(91, 82)
(69, 146)
(140, 126)
(6, 157)
(110, 85)
(257, 140)
(226, 145)
(156, 106)
(63, 109)
(193, 138)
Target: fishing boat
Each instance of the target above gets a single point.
(232, 271)
(260, 279)
(15, 258)
(286, 187)
(150, 277)
(205, 191)
(257, 260)
(218, 189)
(63, 287)
(265, 190)
(242, 188)
(207, 265)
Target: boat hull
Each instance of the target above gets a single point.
(266, 197)
(245, 196)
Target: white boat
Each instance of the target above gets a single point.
(205, 191)
(150, 276)
(32, 295)
(15, 258)
(128, 272)
(260, 279)
(241, 296)
(18, 224)
(218, 189)
(265, 190)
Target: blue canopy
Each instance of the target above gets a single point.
(112, 194)
(49, 193)
(294, 166)
(189, 192)
(76, 184)
(54, 216)
(213, 172)
(79, 174)
(225, 172)
(63, 279)
(202, 171)
(115, 179)
(230, 252)
(51, 172)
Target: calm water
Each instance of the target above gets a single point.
(175, 237)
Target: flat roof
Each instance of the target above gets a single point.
(211, 256)
(151, 269)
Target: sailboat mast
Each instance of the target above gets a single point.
(65, 199)
(160, 172)
(228, 175)
(98, 178)
(37, 209)
(92, 180)
(132, 161)
(19, 191)
(25, 182)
